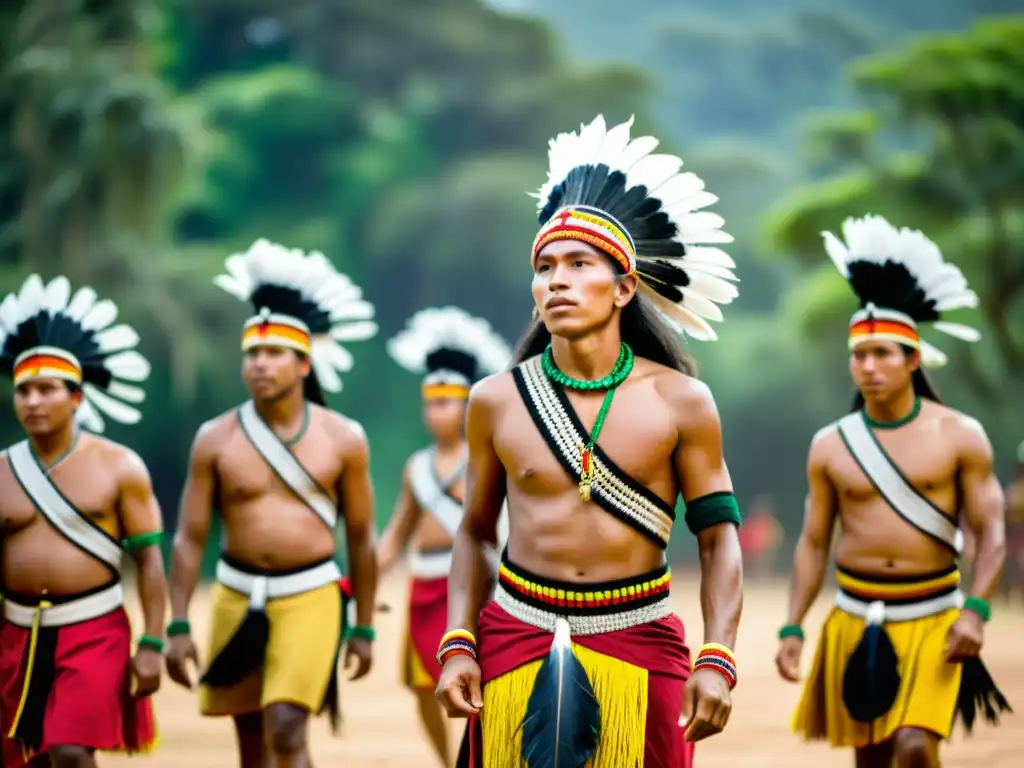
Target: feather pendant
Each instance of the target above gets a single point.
(563, 718)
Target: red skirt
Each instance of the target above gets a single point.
(506, 643)
(89, 703)
(428, 617)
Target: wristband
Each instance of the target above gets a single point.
(361, 631)
(458, 642)
(719, 658)
(151, 643)
(979, 606)
(791, 630)
(179, 627)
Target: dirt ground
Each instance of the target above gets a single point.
(381, 727)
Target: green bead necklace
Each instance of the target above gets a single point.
(623, 367)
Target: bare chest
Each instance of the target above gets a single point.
(83, 482)
(244, 475)
(928, 464)
(636, 437)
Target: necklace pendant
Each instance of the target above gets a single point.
(585, 490)
(587, 472)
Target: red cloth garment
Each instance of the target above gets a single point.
(428, 617)
(90, 703)
(505, 643)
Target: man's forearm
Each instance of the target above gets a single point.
(989, 558)
(468, 582)
(721, 585)
(152, 590)
(186, 560)
(809, 565)
(362, 560)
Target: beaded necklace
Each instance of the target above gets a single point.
(623, 367)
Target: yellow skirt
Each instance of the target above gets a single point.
(302, 651)
(928, 689)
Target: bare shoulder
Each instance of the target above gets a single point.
(825, 441)
(494, 390)
(347, 433)
(963, 431)
(214, 433)
(689, 398)
(125, 464)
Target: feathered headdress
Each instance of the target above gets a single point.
(46, 333)
(301, 302)
(451, 347)
(615, 194)
(901, 281)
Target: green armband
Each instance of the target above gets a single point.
(980, 606)
(143, 540)
(369, 634)
(715, 508)
(151, 643)
(791, 630)
(179, 627)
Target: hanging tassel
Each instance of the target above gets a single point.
(563, 719)
(247, 648)
(871, 681)
(39, 665)
(977, 689)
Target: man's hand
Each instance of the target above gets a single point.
(180, 651)
(788, 658)
(965, 637)
(359, 654)
(707, 703)
(458, 690)
(146, 671)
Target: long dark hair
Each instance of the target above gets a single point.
(923, 386)
(640, 325)
(312, 391)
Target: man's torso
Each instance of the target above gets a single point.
(430, 534)
(266, 525)
(552, 530)
(875, 539)
(36, 558)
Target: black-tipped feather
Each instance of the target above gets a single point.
(243, 654)
(977, 689)
(891, 285)
(452, 360)
(288, 301)
(47, 330)
(563, 718)
(871, 681)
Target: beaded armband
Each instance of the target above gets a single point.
(458, 642)
(718, 658)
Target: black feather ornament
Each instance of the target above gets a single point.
(563, 718)
(977, 690)
(871, 680)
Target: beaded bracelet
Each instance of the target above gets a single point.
(978, 605)
(719, 658)
(151, 643)
(458, 642)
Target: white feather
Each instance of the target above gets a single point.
(360, 331)
(128, 365)
(115, 409)
(89, 417)
(127, 392)
(438, 327)
(30, 300)
(81, 303)
(102, 314)
(711, 287)
(57, 294)
(117, 338)
(932, 357)
(957, 330)
(9, 313)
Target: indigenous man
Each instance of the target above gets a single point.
(70, 504)
(897, 659)
(280, 470)
(452, 350)
(579, 656)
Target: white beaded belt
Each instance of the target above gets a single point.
(592, 624)
(260, 588)
(880, 612)
(63, 614)
(430, 565)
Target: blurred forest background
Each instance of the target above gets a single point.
(143, 141)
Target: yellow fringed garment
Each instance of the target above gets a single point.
(927, 695)
(621, 691)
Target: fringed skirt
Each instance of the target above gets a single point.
(273, 638)
(65, 677)
(630, 646)
(926, 691)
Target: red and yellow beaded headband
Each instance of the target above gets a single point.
(592, 226)
(272, 330)
(873, 324)
(47, 363)
(445, 392)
